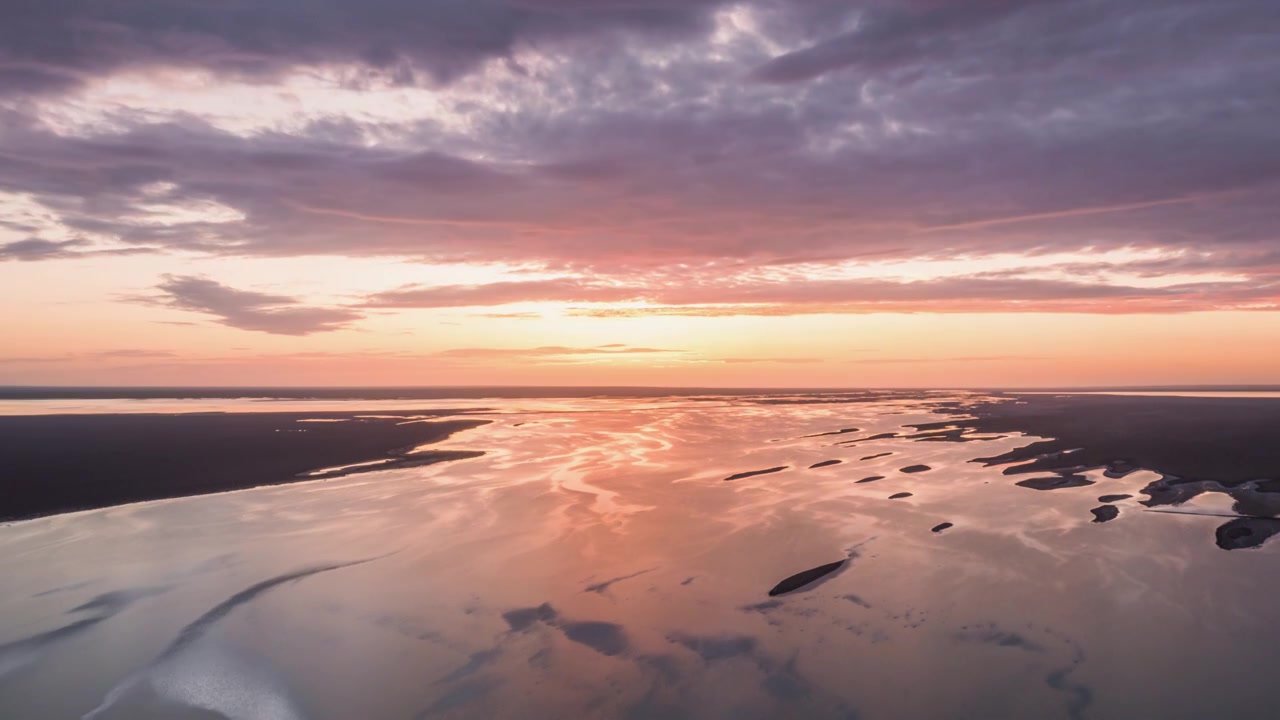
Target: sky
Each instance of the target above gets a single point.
(790, 193)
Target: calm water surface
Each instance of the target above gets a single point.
(595, 564)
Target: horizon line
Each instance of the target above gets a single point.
(1245, 387)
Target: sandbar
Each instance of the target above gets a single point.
(62, 463)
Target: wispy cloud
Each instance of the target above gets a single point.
(713, 292)
(32, 249)
(501, 293)
(248, 310)
(37, 249)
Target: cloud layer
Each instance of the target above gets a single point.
(672, 157)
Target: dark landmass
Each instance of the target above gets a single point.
(1119, 468)
(1246, 532)
(801, 579)
(899, 496)
(945, 431)
(61, 463)
(915, 469)
(1196, 444)
(880, 436)
(877, 455)
(1055, 482)
(941, 526)
(1227, 440)
(1170, 490)
(873, 478)
(833, 432)
(825, 463)
(1114, 498)
(753, 473)
(1103, 513)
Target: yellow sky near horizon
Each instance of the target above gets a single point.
(75, 323)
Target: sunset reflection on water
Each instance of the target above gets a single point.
(596, 563)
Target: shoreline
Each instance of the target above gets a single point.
(56, 464)
(1230, 441)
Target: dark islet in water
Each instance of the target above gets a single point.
(753, 473)
(1103, 513)
(801, 579)
(1055, 482)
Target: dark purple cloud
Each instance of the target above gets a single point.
(888, 35)
(40, 249)
(37, 249)
(247, 310)
(658, 149)
(51, 45)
